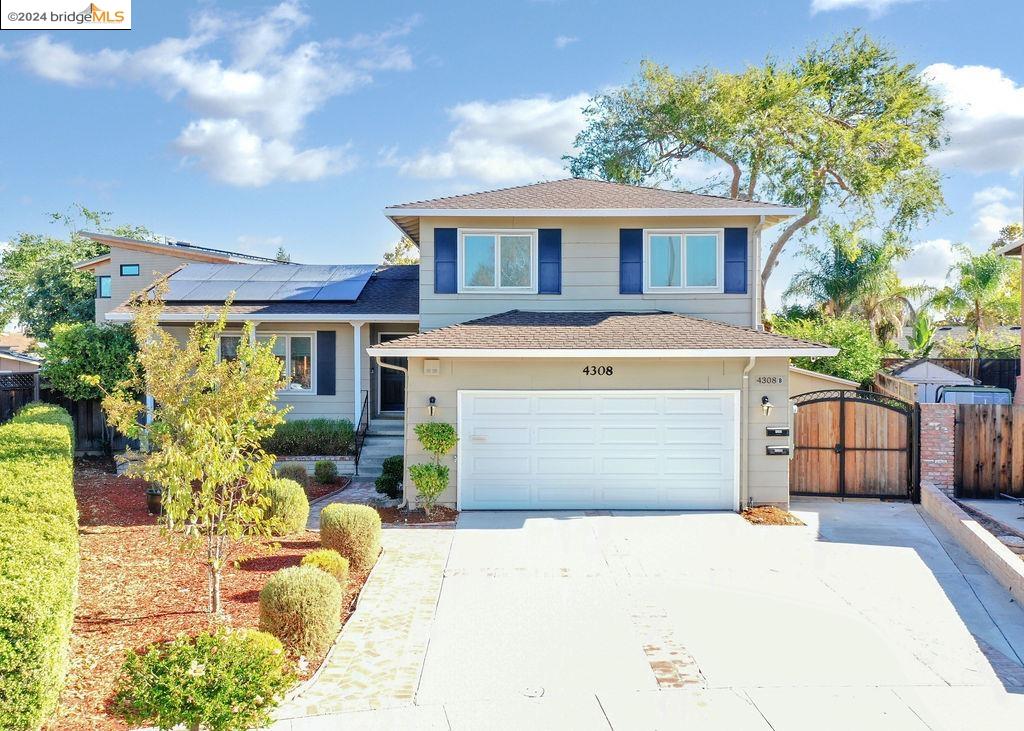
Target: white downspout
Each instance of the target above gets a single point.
(755, 301)
(745, 434)
(405, 457)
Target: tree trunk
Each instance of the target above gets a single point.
(215, 605)
(780, 243)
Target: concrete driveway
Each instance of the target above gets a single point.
(870, 617)
(867, 618)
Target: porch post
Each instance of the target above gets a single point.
(357, 372)
(1018, 393)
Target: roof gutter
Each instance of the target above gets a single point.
(779, 212)
(412, 352)
(270, 317)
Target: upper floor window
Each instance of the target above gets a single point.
(294, 352)
(498, 261)
(129, 270)
(683, 260)
(103, 287)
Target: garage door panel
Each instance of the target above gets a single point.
(597, 450)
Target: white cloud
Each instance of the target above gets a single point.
(505, 142)
(232, 153)
(874, 7)
(985, 119)
(928, 263)
(994, 208)
(251, 105)
(563, 41)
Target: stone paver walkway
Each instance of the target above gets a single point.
(377, 658)
(360, 490)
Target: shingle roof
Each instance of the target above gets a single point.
(390, 290)
(576, 193)
(518, 329)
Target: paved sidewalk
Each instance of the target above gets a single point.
(377, 658)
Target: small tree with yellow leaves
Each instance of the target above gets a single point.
(203, 434)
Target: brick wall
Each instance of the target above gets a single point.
(937, 434)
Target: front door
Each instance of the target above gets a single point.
(391, 383)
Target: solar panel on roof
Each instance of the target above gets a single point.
(315, 272)
(178, 289)
(269, 282)
(297, 291)
(213, 291)
(252, 291)
(347, 291)
(275, 273)
(198, 272)
(237, 272)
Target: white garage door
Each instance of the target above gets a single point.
(598, 449)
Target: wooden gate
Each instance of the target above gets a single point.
(853, 444)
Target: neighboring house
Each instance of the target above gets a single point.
(596, 345)
(15, 356)
(803, 381)
(131, 265)
(929, 377)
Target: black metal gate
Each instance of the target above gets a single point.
(854, 444)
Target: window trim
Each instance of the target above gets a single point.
(99, 286)
(286, 336)
(463, 288)
(717, 288)
(138, 270)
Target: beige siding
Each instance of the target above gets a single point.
(800, 382)
(769, 476)
(151, 267)
(10, 365)
(590, 273)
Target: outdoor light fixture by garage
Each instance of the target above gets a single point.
(433, 405)
(766, 405)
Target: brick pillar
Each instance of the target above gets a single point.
(937, 439)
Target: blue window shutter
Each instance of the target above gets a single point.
(446, 260)
(736, 247)
(631, 261)
(326, 381)
(549, 261)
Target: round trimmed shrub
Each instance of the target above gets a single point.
(353, 531)
(301, 606)
(227, 680)
(390, 481)
(288, 505)
(295, 472)
(325, 471)
(330, 561)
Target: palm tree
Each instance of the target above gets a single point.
(886, 302)
(921, 339)
(982, 293)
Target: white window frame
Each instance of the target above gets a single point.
(718, 233)
(497, 233)
(287, 337)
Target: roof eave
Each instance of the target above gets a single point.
(200, 316)
(775, 212)
(91, 263)
(1011, 249)
(409, 352)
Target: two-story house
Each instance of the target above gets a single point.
(596, 345)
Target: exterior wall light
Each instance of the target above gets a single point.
(432, 401)
(766, 405)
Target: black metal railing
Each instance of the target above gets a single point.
(361, 427)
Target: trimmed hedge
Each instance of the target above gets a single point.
(289, 505)
(353, 531)
(330, 561)
(325, 471)
(312, 437)
(301, 606)
(390, 481)
(38, 562)
(295, 473)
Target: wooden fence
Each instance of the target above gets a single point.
(895, 387)
(16, 390)
(92, 435)
(989, 450)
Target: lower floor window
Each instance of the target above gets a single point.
(294, 352)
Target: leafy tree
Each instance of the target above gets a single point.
(39, 285)
(985, 345)
(1009, 233)
(860, 355)
(922, 335)
(845, 127)
(983, 291)
(404, 252)
(282, 256)
(204, 431)
(83, 348)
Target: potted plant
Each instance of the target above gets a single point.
(154, 500)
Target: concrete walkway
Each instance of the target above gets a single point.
(868, 618)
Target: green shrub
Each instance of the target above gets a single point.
(301, 606)
(353, 531)
(330, 561)
(312, 436)
(38, 562)
(294, 472)
(437, 437)
(288, 506)
(326, 471)
(431, 480)
(222, 681)
(390, 480)
(860, 355)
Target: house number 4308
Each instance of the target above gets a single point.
(596, 370)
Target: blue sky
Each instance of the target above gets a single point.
(249, 125)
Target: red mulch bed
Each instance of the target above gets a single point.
(394, 516)
(137, 587)
(316, 490)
